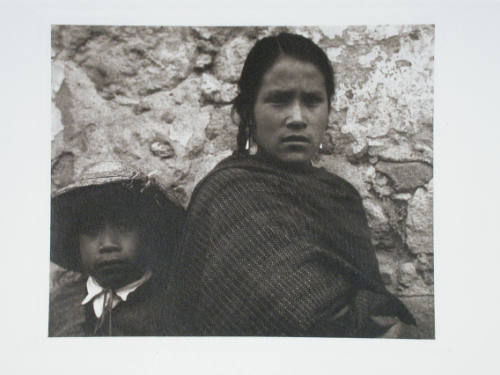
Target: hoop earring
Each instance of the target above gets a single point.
(252, 147)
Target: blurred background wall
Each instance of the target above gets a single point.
(159, 99)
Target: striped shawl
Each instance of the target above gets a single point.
(272, 251)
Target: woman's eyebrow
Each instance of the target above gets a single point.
(277, 93)
(287, 94)
(314, 94)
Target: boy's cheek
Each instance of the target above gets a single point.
(88, 264)
(88, 250)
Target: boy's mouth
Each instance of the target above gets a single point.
(115, 273)
(112, 265)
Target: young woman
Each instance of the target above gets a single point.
(273, 245)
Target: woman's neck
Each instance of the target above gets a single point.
(290, 166)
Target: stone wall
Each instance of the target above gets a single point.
(158, 98)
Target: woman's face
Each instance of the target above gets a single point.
(291, 111)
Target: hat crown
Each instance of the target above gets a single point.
(106, 169)
(102, 173)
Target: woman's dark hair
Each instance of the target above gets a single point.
(260, 59)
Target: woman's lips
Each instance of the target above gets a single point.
(295, 139)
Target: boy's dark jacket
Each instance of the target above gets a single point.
(140, 315)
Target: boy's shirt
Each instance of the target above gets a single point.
(139, 313)
(100, 295)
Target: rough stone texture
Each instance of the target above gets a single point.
(423, 309)
(159, 98)
(419, 221)
(406, 176)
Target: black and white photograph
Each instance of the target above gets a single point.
(256, 188)
(303, 157)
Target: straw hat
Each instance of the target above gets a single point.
(160, 211)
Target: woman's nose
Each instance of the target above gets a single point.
(108, 240)
(295, 119)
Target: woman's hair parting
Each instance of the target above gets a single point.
(260, 59)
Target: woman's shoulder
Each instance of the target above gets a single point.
(243, 173)
(228, 172)
(337, 184)
(246, 172)
(230, 167)
(211, 188)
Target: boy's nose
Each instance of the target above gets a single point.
(108, 240)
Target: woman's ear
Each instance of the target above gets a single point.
(235, 117)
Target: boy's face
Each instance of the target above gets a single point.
(110, 248)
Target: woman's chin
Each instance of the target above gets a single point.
(299, 156)
(295, 157)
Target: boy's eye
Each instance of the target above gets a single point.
(124, 224)
(90, 229)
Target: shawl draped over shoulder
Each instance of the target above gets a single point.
(273, 251)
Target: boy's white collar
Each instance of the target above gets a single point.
(96, 292)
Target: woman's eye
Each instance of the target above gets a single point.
(312, 100)
(279, 99)
(278, 102)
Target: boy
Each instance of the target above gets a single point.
(118, 228)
